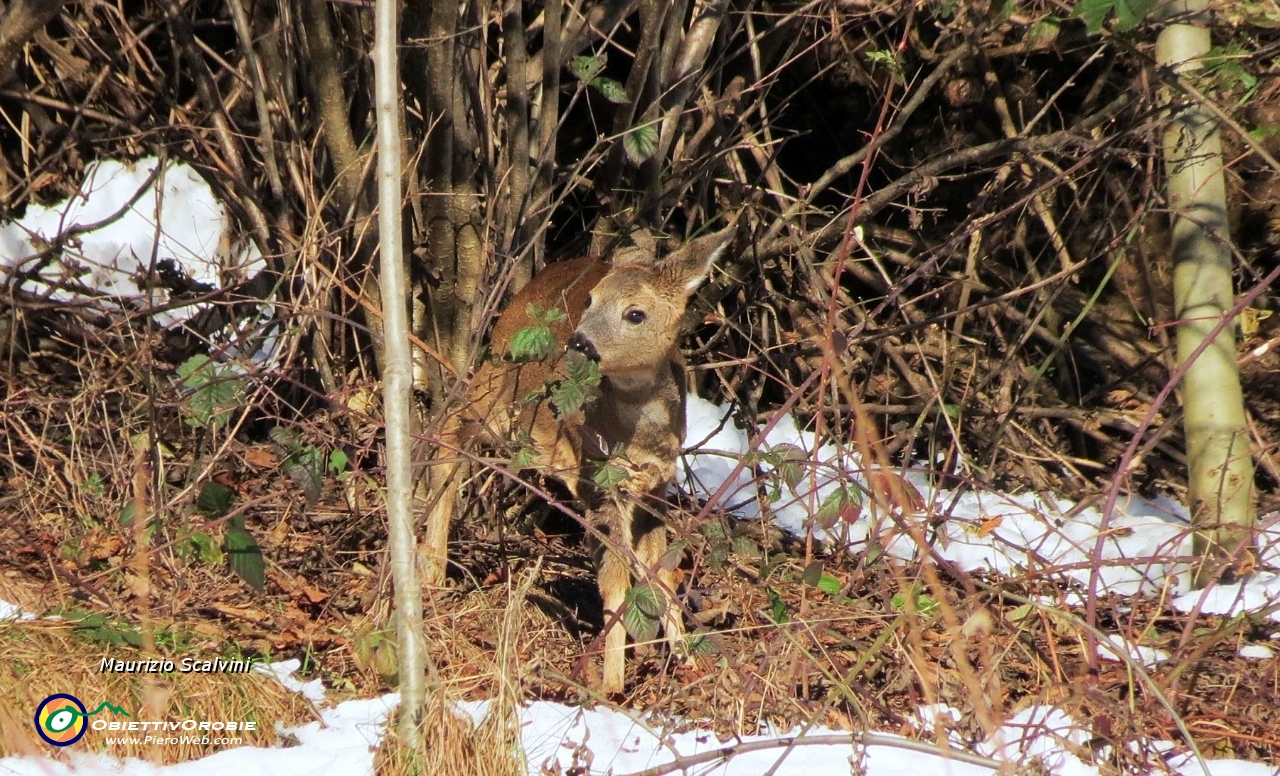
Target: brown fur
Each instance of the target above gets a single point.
(638, 415)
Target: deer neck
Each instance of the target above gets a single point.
(631, 388)
(640, 387)
(635, 409)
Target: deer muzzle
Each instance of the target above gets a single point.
(579, 343)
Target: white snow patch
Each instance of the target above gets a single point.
(10, 611)
(1115, 648)
(127, 216)
(343, 741)
(283, 673)
(1259, 592)
(1128, 554)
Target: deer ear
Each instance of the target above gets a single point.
(640, 252)
(689, 266)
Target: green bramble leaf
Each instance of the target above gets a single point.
(1224, 64)
(1046, 29)
(536, 341)
(587, 67)
(245, 556)
(304, 463)
(699, 644)
(640, 143)
(582, 371)
(671, 559)
(644, 606)
(812, 573)
(213, 392)
(648, 598)
(924, 604)
(524, 457)
(611, 90)
(889, 60)
(778, 611)
(840, 501)
(567, 397)
(532, 343)
(609, 475)
(572, 393)
(97, 627)
(828, 584)
(745, 546)
(205, 549)
(215, 499)
(789, 463)
(1129, 13)
(305, 467)
(1093, 12)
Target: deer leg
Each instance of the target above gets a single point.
(442, 488)
(613, 522)
(650, 549)
(558, 454)
(614, 578)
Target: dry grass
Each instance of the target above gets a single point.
(41, 657)
(456, 745)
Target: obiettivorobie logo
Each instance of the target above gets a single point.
(61, 719)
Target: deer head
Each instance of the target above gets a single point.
(633, 314)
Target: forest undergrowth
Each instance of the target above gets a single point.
(1000, 318)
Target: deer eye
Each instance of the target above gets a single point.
(589, 301)
(635, 316)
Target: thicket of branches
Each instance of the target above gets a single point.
(1001, 311)
(1007, 306)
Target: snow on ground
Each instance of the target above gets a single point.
(984, 530)
(342, 742)
(1116, 649)
(96, 248)
(557, 738)
(109, 258)
(10, 611)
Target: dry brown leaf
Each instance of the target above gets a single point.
(888, 488)
(261, 457)
(252, 614)
(137, 586)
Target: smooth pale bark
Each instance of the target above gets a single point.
(397, 377)
(1220, 479)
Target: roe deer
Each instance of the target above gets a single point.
(625, 318)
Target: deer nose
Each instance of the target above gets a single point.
(579, 343)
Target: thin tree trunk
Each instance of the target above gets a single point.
(455, 241)
(518, 227)
(324, 66)
(397, 379)
(1220, 480)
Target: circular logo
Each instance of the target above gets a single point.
(61, 719)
